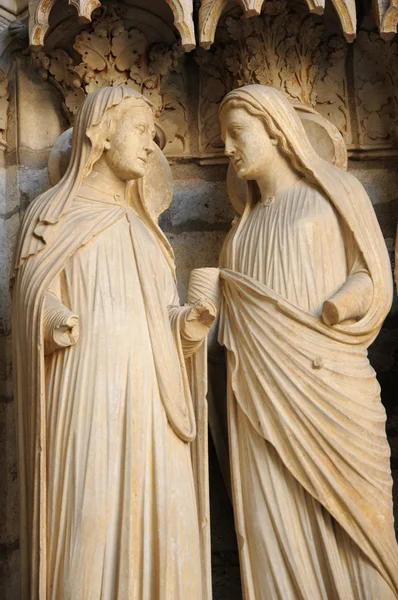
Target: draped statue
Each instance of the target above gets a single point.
(110, 377)
(306, 284)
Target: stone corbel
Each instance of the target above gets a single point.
(39, 12)
(386, 17)
(183, 21)
(211, 10)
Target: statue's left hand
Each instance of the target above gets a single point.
(330, 313)
(350, 302)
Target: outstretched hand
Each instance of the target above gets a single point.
(199, 319)
(203, 311)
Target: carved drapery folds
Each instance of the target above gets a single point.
(281, 48)
(109, 53)
(39, 11)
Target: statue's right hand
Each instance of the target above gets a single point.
(67, 333)
(61, 325)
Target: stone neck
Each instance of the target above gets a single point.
(105, 181)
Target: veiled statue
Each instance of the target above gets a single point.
(306, 283)
(110, 376)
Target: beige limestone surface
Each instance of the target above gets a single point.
(110, 376)
(306, 285)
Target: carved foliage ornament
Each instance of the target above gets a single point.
(376, 88)
(112, 55)
(282, 49)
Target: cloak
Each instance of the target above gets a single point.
(310, 390)
(43, 248)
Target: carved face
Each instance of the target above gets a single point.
(129, 146)
(247, 143)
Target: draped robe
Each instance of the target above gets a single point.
(111, 496)
(309, 457)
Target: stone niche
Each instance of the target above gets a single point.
(123, 44)
(150, 46)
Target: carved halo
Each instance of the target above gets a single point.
(325, 138)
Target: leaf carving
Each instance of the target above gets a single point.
(93, 49)
(127, 48)
(281, 48)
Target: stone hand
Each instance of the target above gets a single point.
(199, 319)
(67, 333)
(330, 313)
(351, 302)
(61, 326)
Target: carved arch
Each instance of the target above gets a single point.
(211, 10)
(39, 13)
(347, 13)
(183, 22)
(389, 21)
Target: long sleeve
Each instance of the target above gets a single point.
(192, 333)
(353, 299)
(59, 323)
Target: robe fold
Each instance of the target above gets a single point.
(114, 506)
(309, 456)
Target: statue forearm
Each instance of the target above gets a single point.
(352, 301)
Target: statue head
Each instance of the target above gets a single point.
(117, 125)
(260, 128)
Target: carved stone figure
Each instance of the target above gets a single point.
(110, 376)
(306, 284)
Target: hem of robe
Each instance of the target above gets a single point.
(249, 587)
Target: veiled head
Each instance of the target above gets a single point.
(129, 142)
(247, 142)
(259, 126)
(119, 122)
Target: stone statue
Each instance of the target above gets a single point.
(109, 377)
(306, 284)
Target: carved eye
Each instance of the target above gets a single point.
(234, 131)
(140, 128)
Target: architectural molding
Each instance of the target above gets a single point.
(211, 12)
(39, 13)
